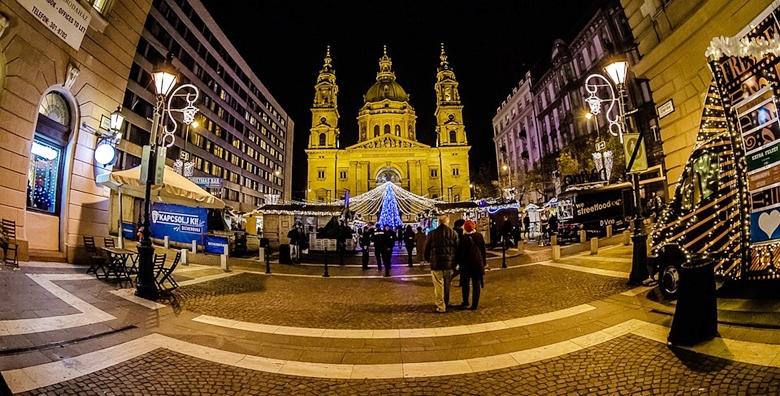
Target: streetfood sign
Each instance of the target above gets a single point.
(67, 19)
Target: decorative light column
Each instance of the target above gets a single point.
(617, 126)
(165, 79)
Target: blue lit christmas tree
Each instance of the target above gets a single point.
(389, 215)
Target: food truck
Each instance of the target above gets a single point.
(726, 207)
(593, 207)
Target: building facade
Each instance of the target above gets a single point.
(562, 119)
(516, 140)
(672, 37)
(63, 68)
(387, 147)
(242, 134)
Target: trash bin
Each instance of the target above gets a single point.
(696, 315)
(284, 254)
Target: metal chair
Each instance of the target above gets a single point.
(97, 261)
(166, 275)
(9, 243)
(109, 242)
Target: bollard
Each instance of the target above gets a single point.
(267, 260)
(166, 242)
(583, 236)
(223, 263)
(326, 274)
(626, 237)
(609, 230)
(521, 246)
(554, 239)
(556, 253)
(261, 254)
(194, 247)
(594, 245)
(183, 258)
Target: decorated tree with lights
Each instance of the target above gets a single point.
(389, 215)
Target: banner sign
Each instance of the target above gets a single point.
(216, 244)
(769, 155)
(207, 182)
(67, 19)
(129, 231)
(179, 223)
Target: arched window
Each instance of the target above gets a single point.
(453, 137)
(376, 130)
(397, 130)
(51, 136)
(323, 138)
(387, 128)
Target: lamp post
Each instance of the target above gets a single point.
(165, 79)
(184, 165)
(617, 71)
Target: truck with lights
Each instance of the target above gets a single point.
(726, 207)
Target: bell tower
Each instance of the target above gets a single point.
(450, 130)
(324, 132)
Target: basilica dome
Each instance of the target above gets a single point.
(386, 88)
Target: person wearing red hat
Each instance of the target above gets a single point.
(472, 259)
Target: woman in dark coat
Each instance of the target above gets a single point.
(472, 259)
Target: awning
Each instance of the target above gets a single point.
(176, 189)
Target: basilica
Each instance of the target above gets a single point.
(387, 147)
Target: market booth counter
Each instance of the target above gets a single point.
(181, 210)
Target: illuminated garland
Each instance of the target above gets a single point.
(743, 48)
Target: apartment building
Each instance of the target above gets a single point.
(242, 134)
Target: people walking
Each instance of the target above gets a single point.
(409, 243)
(380, 241)
(387, 256)
(419, 241)
(527, 225)
(440, 249)
(365, 246)
(295, 243)
(472, 260)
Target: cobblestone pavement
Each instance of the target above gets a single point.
(627, 365)
(392, 303)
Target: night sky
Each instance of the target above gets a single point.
(490, 46)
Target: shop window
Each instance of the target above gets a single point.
(44, 178)
(43, 181)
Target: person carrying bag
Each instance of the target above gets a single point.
(472, 260)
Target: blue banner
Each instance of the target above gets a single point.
(216, 244)
(179, 223)
(129, 231)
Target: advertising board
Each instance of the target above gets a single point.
(179, 223)
(215, 244)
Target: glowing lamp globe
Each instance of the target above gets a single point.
(104, 153)
(617, 71)
(164, 78)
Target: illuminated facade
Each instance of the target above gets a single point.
(387, 147)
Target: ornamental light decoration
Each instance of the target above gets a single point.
(593, 83)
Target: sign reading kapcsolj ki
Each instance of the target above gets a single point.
(67, 19)
(179, 223)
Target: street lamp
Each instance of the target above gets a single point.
(617, 72)
(165, 79)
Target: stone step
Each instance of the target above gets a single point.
(47, 256)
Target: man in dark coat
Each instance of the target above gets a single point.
(387, 257)
(440, 250)
(409, 243)
(295, 243)
(472, 260)
(380, 241)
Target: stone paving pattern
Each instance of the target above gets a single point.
(371, 303)
(627, 365)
